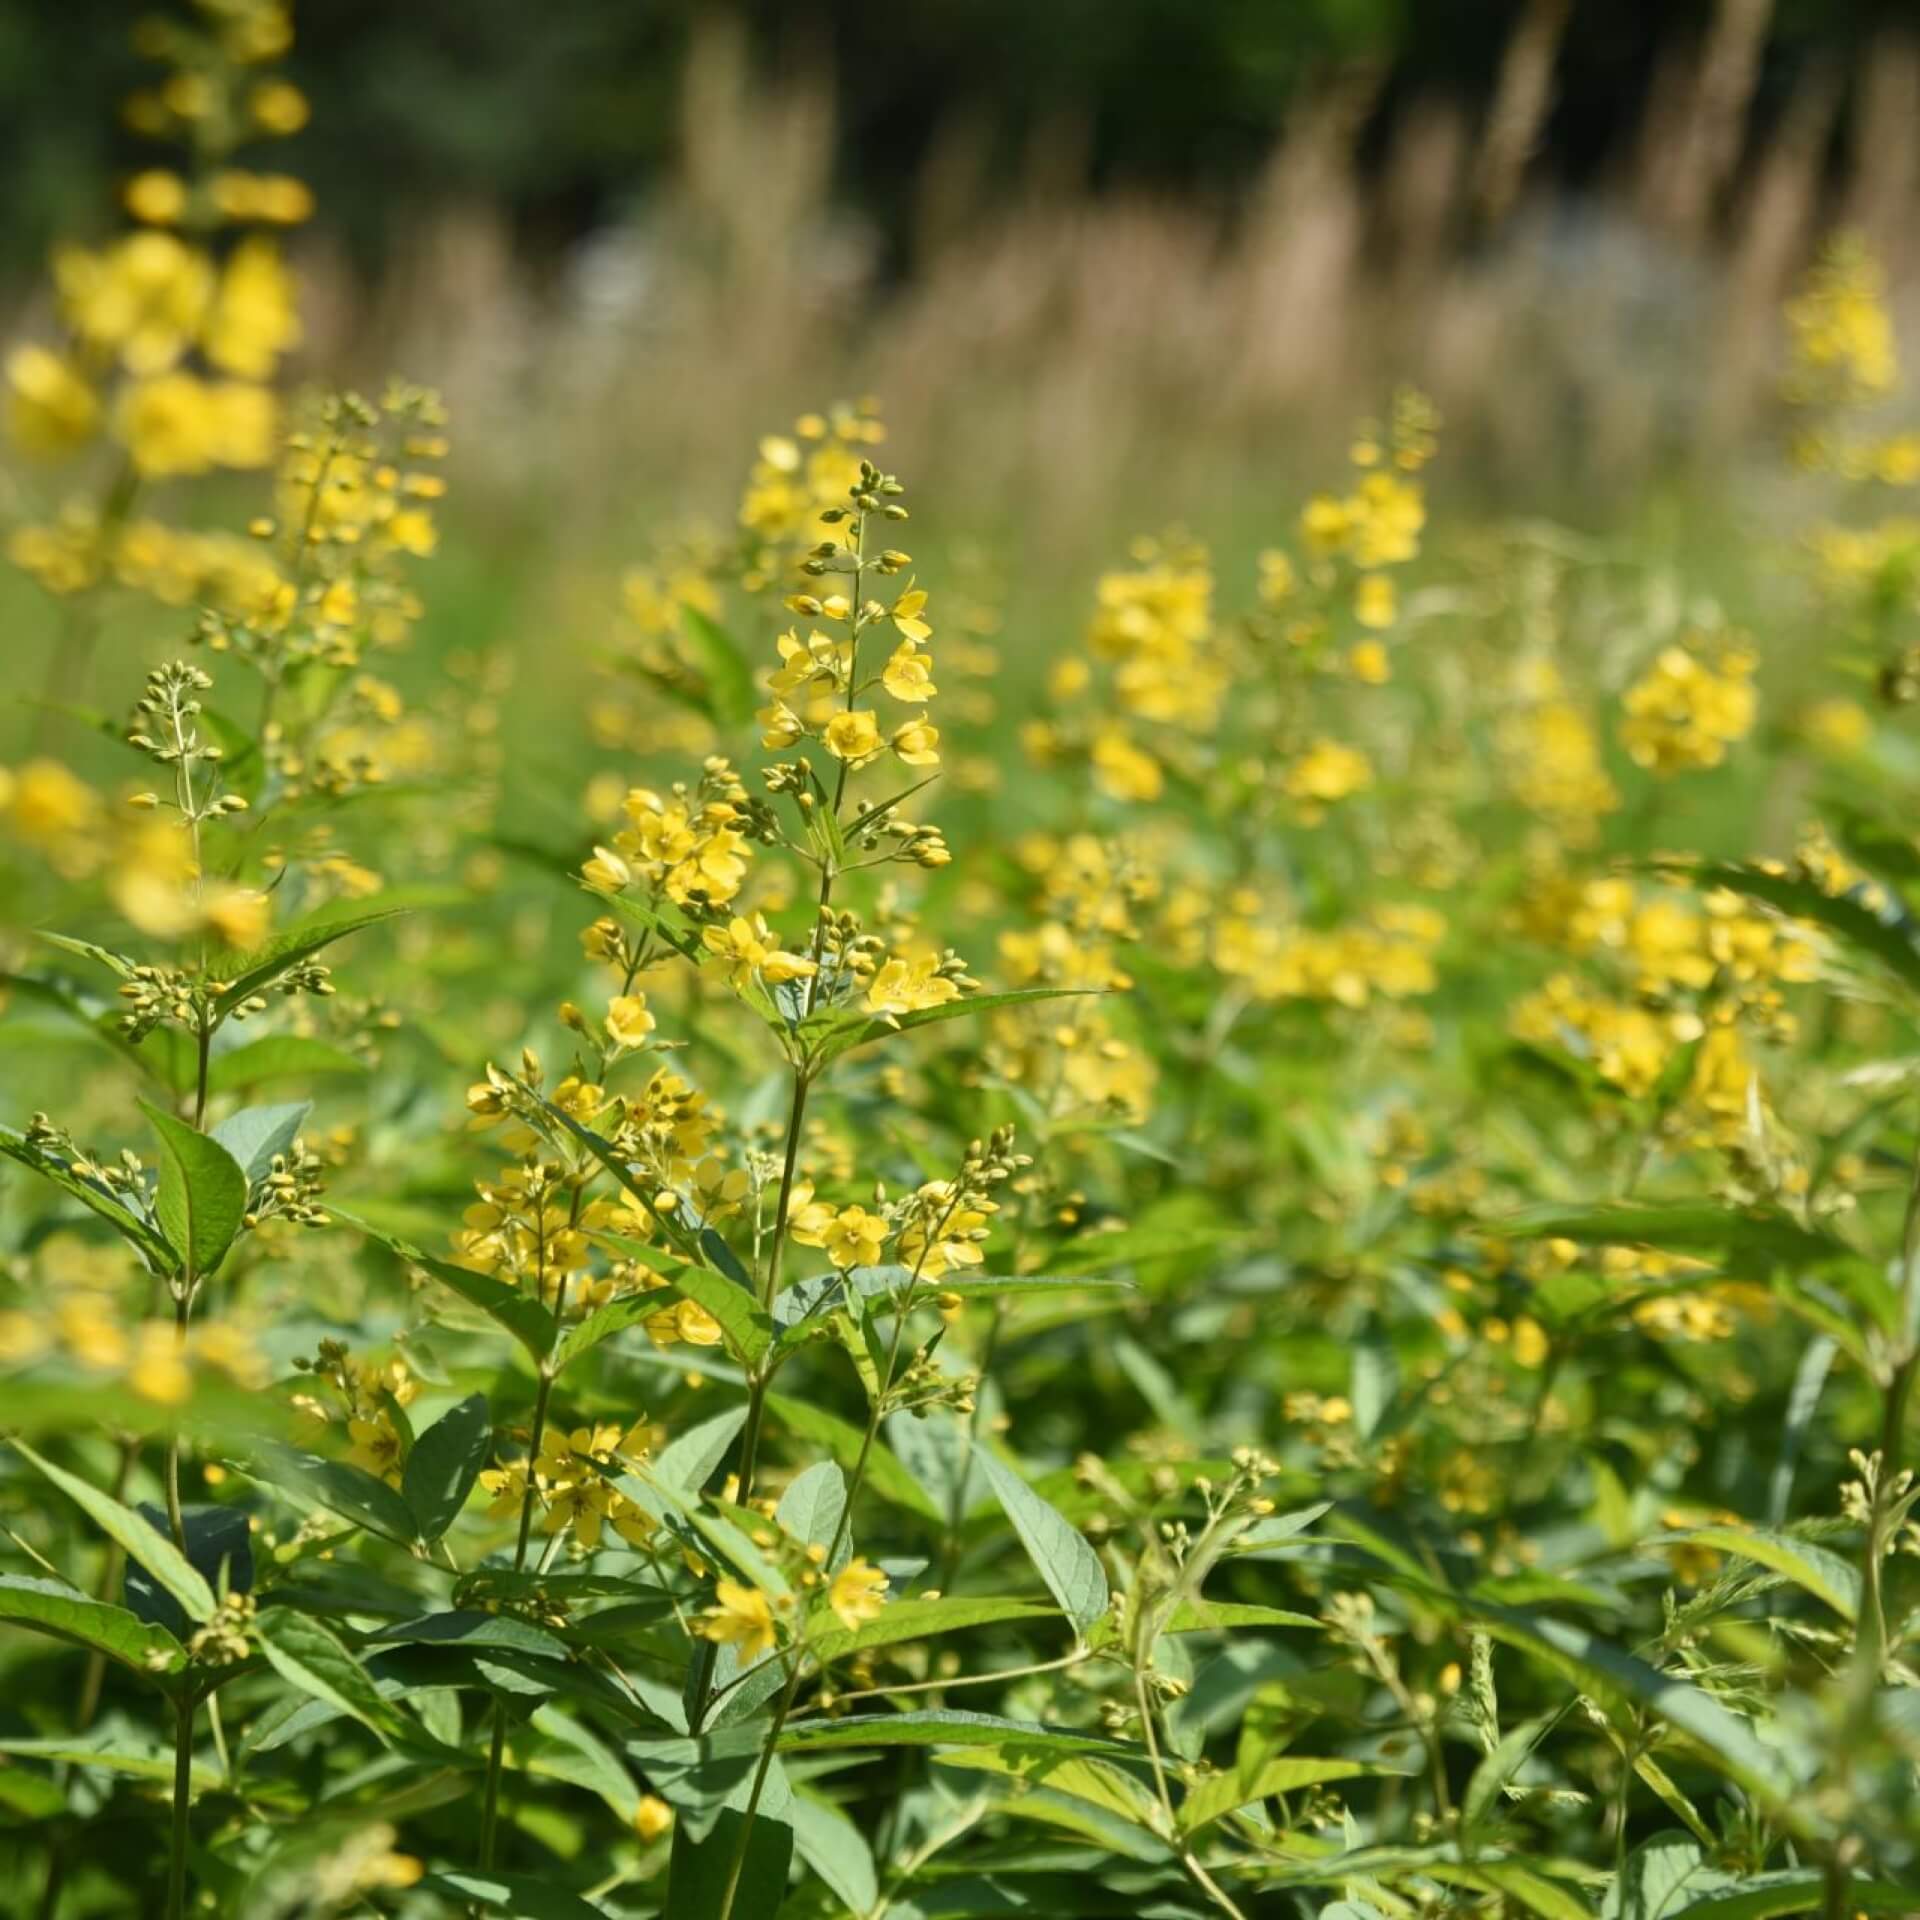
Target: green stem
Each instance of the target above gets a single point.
(182, 1801)
(497, 1751)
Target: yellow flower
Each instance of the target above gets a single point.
(143, 298)
(742, 1619)
(376, 1446)
(906, 614)
(1124, 771)
(628, 1020)
(1327, 771)
(748, 947)
(606, 872)
(909, 986)
(1682, 714)
(858, 1593)
(158, 1372)
(52, 409)
(253, 320)
(238, 917)
(853, 737)
(855, 1238)
(278, 107)
(909, 674)
(652, 1818)
(1374, 603)
(1367, 661)
(917, 744)
(157, 197)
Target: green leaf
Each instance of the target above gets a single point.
(1818, 1569)
(1686, 1226)
(1494, 1773)
(945, 1727)
(922, 1620)
(306, 1655)
(851, 1031)
(519, 1896)
(690, 1458)
(246, 974)
(279, 1056)
(812, 1507)
(885, 1475)
(1611, 1671)
(342, 1488)
(48, 1607)
(702, 1865)
(203, 1193)
(1224, 1793)
(115, 963)
(161, 1558)
(1795, 1890)
(111, 1751)
(616, 1316)
(729, 678)
(444, 1463)
(153, 1247)
(1067, 1564)
(836, 1850)
(257, 1136)
(526, 1319)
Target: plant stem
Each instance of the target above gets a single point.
(497, 1751)
(182, 1798)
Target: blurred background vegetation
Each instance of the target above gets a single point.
(1107, 265)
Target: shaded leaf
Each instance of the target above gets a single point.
(443, 1464)
(1066, 1563)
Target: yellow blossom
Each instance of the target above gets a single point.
(858, 1593)
(741, 1619)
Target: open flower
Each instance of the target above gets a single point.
(741, 1619)
(858, 1593)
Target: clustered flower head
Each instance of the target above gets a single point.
(170, 343)
(1685, 711)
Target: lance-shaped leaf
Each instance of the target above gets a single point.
(1759, 1232)
(1818, 1569)
(307, 1655)
(203, 1193)
(902, 1620)
(342, 1488)
(161, 1558)
(729, 678)
(279, 1056)
(526, 1319)
(850, 1030)
(246, 974)
(519, 1896)
(48, 1607)
(946, 1727)
(443, 1464)
(1066, 1563)
(152, 1246)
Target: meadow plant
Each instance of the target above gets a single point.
(1368, 1374)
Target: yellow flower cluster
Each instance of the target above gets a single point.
(1389, 956)
(689, 846)
(88, 1328)
(1153, 624)
(798, 477)
(1551, 756)
(1843, 341)
(570, 1491)
(1683, 713)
